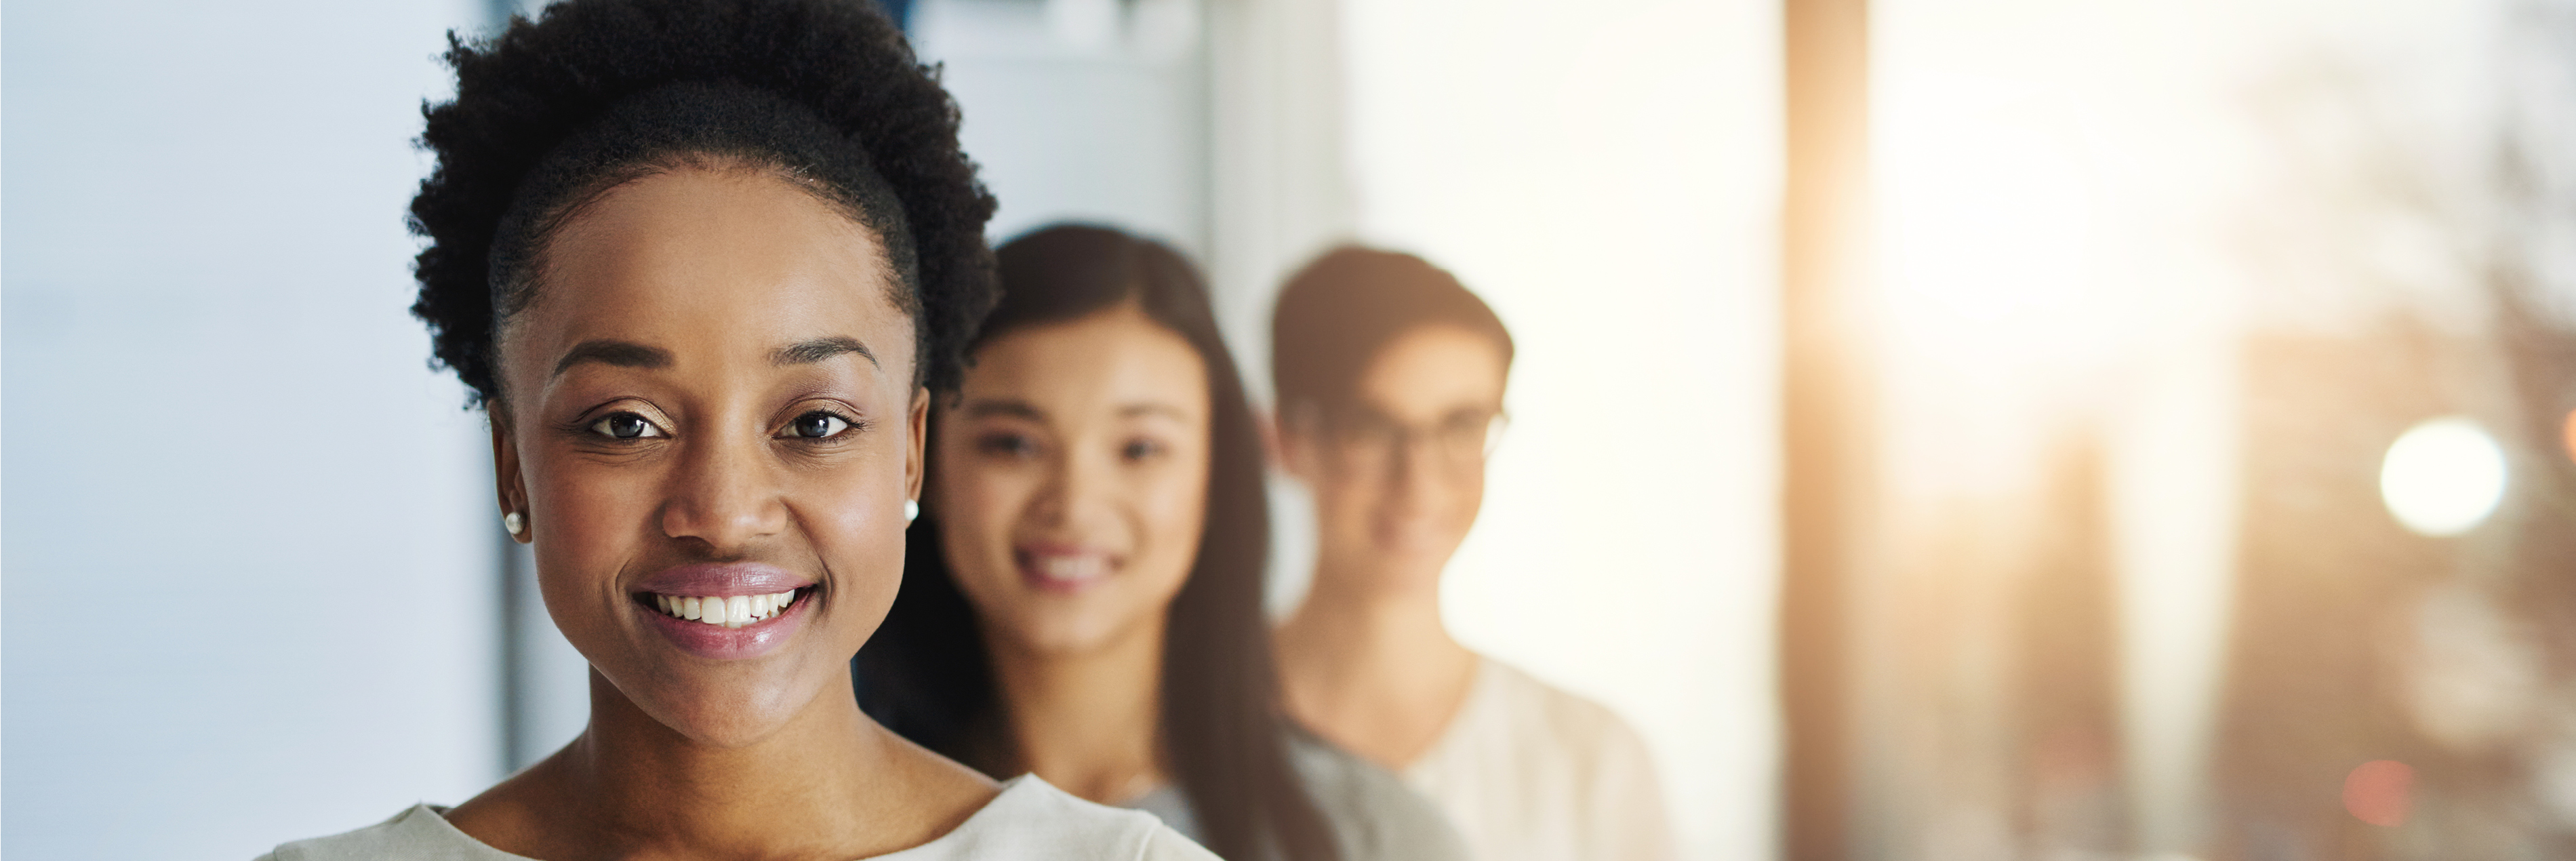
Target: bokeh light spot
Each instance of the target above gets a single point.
(2443, 476)
(2380, 792)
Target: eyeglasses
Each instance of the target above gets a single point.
(1367, 441)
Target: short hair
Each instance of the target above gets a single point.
(1338, 313)
(825, 94)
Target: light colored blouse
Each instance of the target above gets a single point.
(1028, 820)
(1528, 772)
(1372, 815)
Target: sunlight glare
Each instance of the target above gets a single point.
(2443, 476)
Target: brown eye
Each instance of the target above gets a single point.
(1007, 445)
(1140, 449)
(625, 426)
(818, 426)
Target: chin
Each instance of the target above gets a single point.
(724, 713)
(1066, 633)
(1401, 571)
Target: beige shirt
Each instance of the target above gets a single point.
(1029, 820)
(1531, 773)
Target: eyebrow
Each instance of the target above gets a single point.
(1154, 408)
(1019, 409)
(818, 349)
(622, 354)
(988, 407)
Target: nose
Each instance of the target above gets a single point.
(1075, 491)
(1416, 471)
(724, 496)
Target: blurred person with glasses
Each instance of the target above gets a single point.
(1390, 378)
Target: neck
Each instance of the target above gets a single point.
(631, 787)
(1087, 720)
(1350, 623)
(823, 770)
(1372, 668)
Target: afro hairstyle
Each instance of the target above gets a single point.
(593, 93)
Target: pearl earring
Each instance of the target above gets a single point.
(513, 522)
(911, 511)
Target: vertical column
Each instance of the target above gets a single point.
(1824, 233)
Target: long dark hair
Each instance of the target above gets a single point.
(927, 675)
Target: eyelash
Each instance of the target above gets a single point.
(1020, 446)
(601, 427)
(1007, 445)
(848, 426)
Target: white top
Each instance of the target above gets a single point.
(1528, 772)
(1029, 820)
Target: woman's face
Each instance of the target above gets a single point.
(1071, 480)
(710, 404)
(1399, 474)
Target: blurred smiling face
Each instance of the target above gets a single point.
(1072, 478)
(711, 425)
(1399, 473)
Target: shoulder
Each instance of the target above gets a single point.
(416, 834)
(1519, 731)
(1032, 819)
(1551, 717)
(1534, 771)
(1373, 814)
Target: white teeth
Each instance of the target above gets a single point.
(731, 612)
(1073, 567)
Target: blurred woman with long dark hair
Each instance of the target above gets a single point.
(1082, 597)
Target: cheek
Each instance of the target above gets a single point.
(855, 523)
(1470, 494)
(976, 506)
(587, 520)
(851, 521)
(1172, 517)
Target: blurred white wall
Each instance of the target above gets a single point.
(1605, 174)
(249, 543)
(1080, 110)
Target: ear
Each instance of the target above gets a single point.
(506, 481)
(915, 458)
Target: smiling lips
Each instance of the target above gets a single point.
(1063, 571)
(726, 610)
(732, 612)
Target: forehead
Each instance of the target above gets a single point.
(703, 258)
(1432, 369)
(1098, 362)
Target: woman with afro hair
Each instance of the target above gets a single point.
(705, 264)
